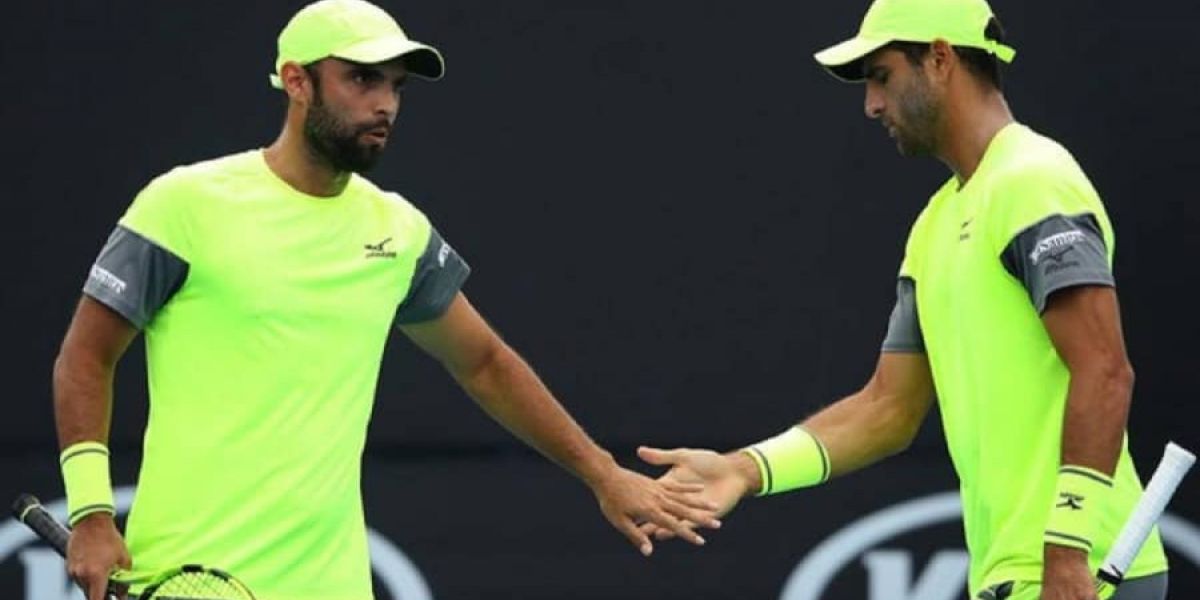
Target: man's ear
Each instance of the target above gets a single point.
(296, 82)
(940, 60)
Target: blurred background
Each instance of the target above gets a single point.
(688, 228)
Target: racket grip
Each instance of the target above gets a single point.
(1174, 465)
(29, 510)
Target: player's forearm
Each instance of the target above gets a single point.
(82, 388)
(862, 429)
(507, 388)
(1095, 416)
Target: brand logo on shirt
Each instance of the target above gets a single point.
(1062, 242)
(443, 254)
(105, 278)
(963, 234)
(379, 250)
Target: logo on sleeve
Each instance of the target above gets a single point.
(106, 279)
(443, 254)
(379, 250)
(1055, 246)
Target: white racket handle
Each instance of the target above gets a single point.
(1174, 465)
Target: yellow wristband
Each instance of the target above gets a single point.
(790, 460)
(85, 476)
(1078, 497)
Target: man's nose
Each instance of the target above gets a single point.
(873, 103)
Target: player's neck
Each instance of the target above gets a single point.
(291, 159)
(969, 127)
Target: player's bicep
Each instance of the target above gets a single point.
(904, 326)
(460, 339)
(97, 334)
(1057, 253)
(904, 380)
(134, 276)
(1084, 324)
(438, 276)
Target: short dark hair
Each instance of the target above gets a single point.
(982, 63)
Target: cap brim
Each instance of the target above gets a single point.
(844, 60)
(420, 59)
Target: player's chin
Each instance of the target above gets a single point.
(910, 150)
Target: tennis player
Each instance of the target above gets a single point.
(1006, 310)
(266, 283)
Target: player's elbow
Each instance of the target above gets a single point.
(899, 424)
(1108, 385)
(1117, 381)
(488, 366)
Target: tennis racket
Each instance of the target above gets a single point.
(1170, 471)
(186, 582)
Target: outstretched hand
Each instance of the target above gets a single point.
(723, 479)
(629, 500)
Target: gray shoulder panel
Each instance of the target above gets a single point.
(134, 276)
(439, 274)
(1058, 252)
(904, 328)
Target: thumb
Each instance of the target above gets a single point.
(656, 456)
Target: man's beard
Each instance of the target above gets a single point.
(918, 111)
(337, 142)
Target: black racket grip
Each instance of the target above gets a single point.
(28, 510)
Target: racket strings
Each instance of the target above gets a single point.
(197, 585)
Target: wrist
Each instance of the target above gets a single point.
(96, 520)
(1080, 494)
(86, 479)
(747, 471)
(791, 460)
(596, 467)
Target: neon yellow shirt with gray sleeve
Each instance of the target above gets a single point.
(265, 313)
(983, 260)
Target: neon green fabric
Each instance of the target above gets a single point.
(791, 460)
(1078, 493)
(86, 479)
(354, 30)
(958, 22)
(1001, 386)
(262, 372)
(1026, 590)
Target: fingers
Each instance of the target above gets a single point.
(639, 539)
(679, 528)
(663, 535)
(90, 578)
(679, 487)
(656, 456)
(656, 532)
(96, 586)
(694, 511)
(695, 501)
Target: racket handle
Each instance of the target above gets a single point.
(29, 510)
(1174, 465)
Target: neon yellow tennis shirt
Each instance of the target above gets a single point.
(983, 259)
(265, 313)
